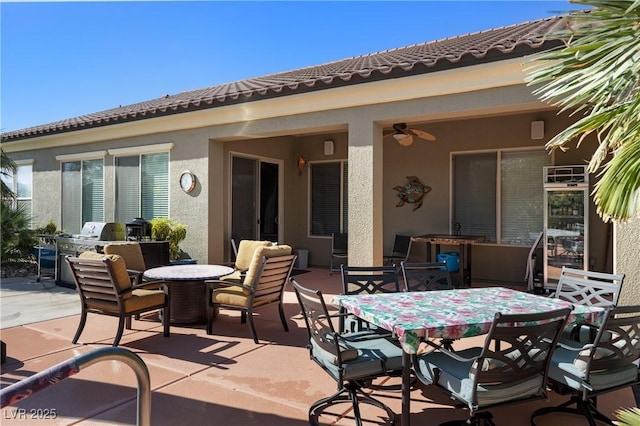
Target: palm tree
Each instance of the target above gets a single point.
(595, 76)
(7, 168)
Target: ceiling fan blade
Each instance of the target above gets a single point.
(387, 134)
(406, 141)
(423, 135)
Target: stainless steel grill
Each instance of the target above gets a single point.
(93, 237)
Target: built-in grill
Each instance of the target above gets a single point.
(93, 237)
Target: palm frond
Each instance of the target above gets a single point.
(595, 76)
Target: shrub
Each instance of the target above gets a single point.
(17, 238)
(164, 229)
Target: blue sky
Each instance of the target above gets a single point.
(65, 59)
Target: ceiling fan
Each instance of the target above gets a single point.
(404, 135)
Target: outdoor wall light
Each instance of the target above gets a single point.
(302, 162)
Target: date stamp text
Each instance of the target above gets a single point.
(30, 413)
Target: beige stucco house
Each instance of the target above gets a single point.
(294, 156)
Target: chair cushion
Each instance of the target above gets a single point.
(246, 248)
(455, 376)
(138, 300)
(234, 296)
(346, 353)
(121, 276)
(235, 277)
(260, 252)
(562, 369)
(580, 363)
(130, 252)
(374, 357)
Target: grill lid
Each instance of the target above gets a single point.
(104, 231)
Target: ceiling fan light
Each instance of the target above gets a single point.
(399, 136)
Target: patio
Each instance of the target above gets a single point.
(219, 379)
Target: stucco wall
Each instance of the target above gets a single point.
(627, 260)
(483, 120)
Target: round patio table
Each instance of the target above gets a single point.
(188, 291)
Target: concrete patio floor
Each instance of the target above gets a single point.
(222, 379)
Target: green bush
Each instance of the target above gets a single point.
(17, 238)
(163, 229)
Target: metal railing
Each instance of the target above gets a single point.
(21, 390)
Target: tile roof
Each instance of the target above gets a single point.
(464, 50)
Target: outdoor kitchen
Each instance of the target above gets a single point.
(93, 237)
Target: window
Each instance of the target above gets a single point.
(82, 193)
(328, 198)
(142, 186)
(499, 194)
(21, 183)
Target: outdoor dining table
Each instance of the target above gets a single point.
(188, 292)
(452, 314)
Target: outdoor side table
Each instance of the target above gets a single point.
(188, 291)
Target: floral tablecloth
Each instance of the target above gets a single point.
(452, 314)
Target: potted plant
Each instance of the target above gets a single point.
(165, 229)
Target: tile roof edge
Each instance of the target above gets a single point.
(181, 102)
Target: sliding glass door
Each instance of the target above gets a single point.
(255, 199)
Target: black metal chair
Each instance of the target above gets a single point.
(426, 276)
(429, 276)
(353, 360)
(609, 363)
(339, 246)
(511, 367)
(400, 251)
(367, 280)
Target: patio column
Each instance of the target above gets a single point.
(365, 193)
(625, 258)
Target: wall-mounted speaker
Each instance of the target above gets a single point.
(328, 147)
(537, 130)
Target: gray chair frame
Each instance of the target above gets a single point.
(517, 350)
(610, 363)
(370, 356)
(588, 288)
(339, 250)
(266, 290)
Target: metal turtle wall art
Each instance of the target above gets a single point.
(412, 192)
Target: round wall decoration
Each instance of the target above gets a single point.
(187, 181)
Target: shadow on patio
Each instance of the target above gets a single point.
(221, 379)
